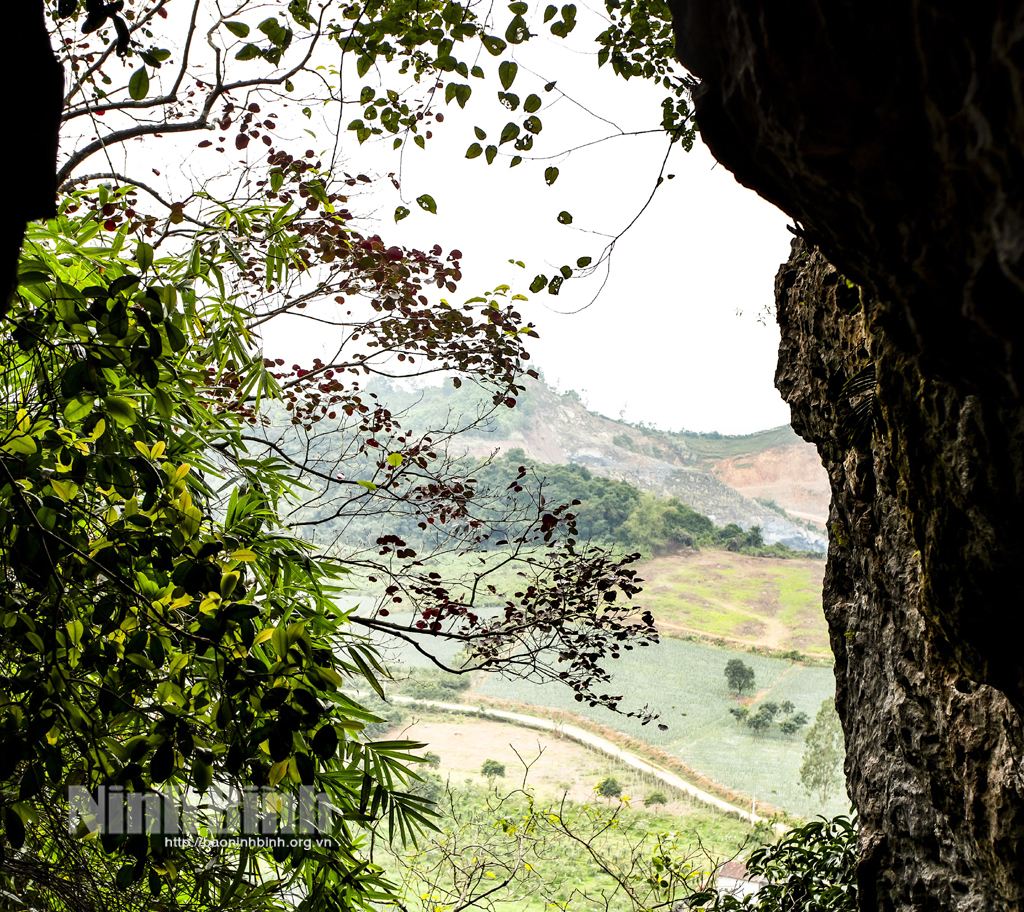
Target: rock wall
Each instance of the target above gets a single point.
(894, 136)
(933, 761)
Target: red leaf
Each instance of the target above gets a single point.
(205, 143)
(110, 225)
(241, 141)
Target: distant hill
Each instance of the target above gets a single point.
(717, 475)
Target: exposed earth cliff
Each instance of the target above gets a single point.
(558, 428)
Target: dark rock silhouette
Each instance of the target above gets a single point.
(893, 134)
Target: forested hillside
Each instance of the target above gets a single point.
(553, 432)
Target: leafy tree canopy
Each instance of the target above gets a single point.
(166, 627)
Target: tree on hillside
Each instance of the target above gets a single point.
(739, 675)
(822, 768)
(164, 624)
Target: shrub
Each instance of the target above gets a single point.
(655, 798)
(609, 788)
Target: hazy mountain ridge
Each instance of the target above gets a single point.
(557, 428)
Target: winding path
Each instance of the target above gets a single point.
(596, 742)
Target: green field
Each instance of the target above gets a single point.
(757, 600)
(487, 836)
(686, 684)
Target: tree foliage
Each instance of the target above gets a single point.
(492, 770)
(165, 626)
(739, 675)
(813, 866)
(824, 753)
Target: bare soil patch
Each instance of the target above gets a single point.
(556, 766)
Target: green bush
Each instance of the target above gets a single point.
(655, 798)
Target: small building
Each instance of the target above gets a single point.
(735, 880)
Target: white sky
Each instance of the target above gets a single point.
(663, 343)
(674, 338)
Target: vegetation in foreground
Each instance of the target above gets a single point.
(512, 851)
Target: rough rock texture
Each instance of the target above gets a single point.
(934, 757)
(894, 134)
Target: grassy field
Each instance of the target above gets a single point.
(755, 600)
(685, 682)
(501, 820)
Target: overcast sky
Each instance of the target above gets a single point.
(673, 339)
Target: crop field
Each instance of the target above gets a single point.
(685, 683)
(557, 869)
(721, 594)
(756, 600)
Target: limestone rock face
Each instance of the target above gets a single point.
(933, 756)
(894, 136)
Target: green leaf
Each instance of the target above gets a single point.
(175, 337)
(426, 202)
(507, 71)
(78, 408)
(510, 132)
(462, 93)
(555, 285)
(477, 72)
(564, 218)
(516, 160)
(583, 262)
(144, 255)
(138, 85)
(550, 175)
(164, 403)
(238, 29)
(395, 460)
(493, 44)
(202, 774)
(120, 409)
(475, 150)
(549, 86)
(538, 283)
(566, 271)
(517, 31)
(519, 8)
(479, 133)
(363, 65)
(367, 95)
(401, 212)
(533, 124)
(249, 52)
(550, 12)
(531, 104)
(325, 742)
(490, 152)
(369, 485)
